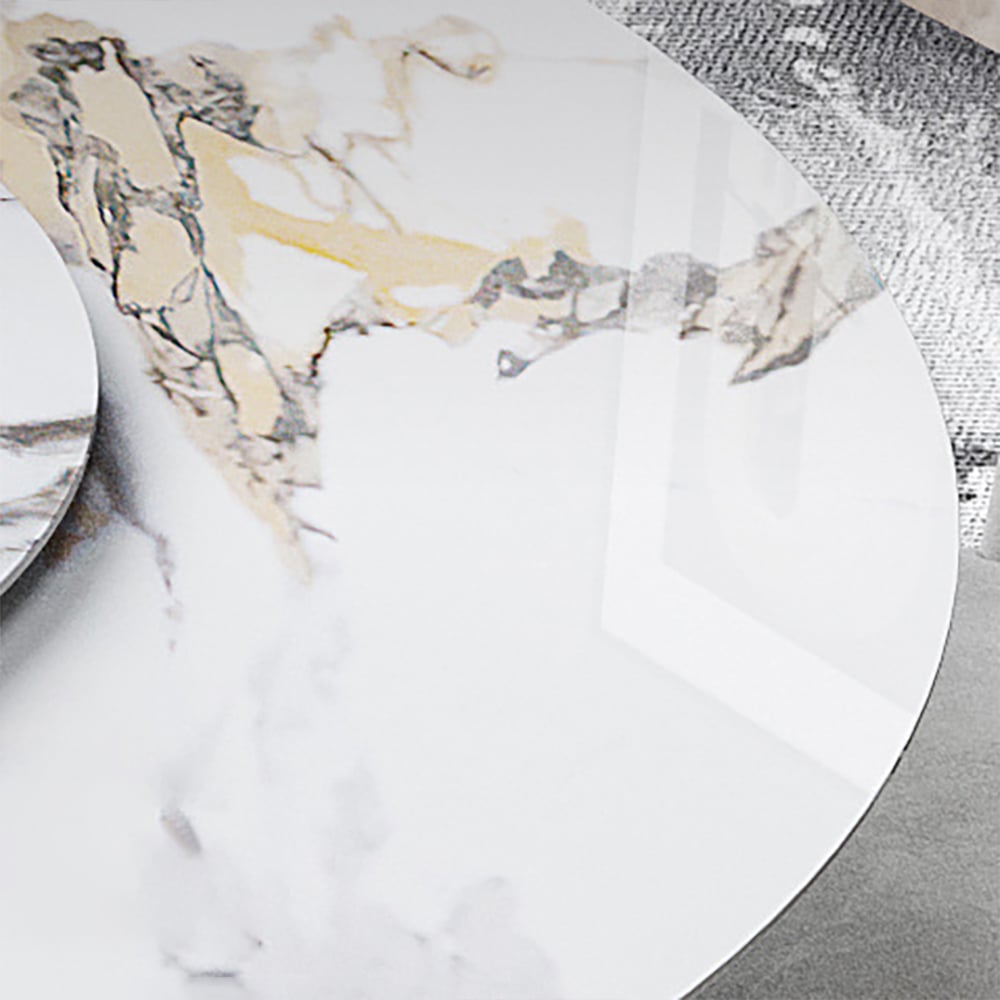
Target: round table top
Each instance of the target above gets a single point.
(48, 388)
(533, 531)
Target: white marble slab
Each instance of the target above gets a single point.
(48, 389)
(526, 535)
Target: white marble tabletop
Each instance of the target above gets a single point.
(48, 388)
(525, 536)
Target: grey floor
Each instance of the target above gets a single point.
(909, 908)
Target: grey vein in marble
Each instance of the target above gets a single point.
(252, 407)
(802, 279)
(26, 519)
(48, 373)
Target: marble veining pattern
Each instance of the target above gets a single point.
(147, 156)
(315, 671)
(42, 450)
(893, 117)
(24, 518)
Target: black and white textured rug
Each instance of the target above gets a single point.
(895, 120)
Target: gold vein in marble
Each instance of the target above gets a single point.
(139, 165)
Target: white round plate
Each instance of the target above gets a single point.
(534, 533)
(48, 389)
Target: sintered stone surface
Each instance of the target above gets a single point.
(48, 389)
(512, 482)
(908, 910)
(894, 118)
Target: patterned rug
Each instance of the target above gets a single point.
(895, 120)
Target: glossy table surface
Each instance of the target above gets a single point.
(48, 389)
(523, 536)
